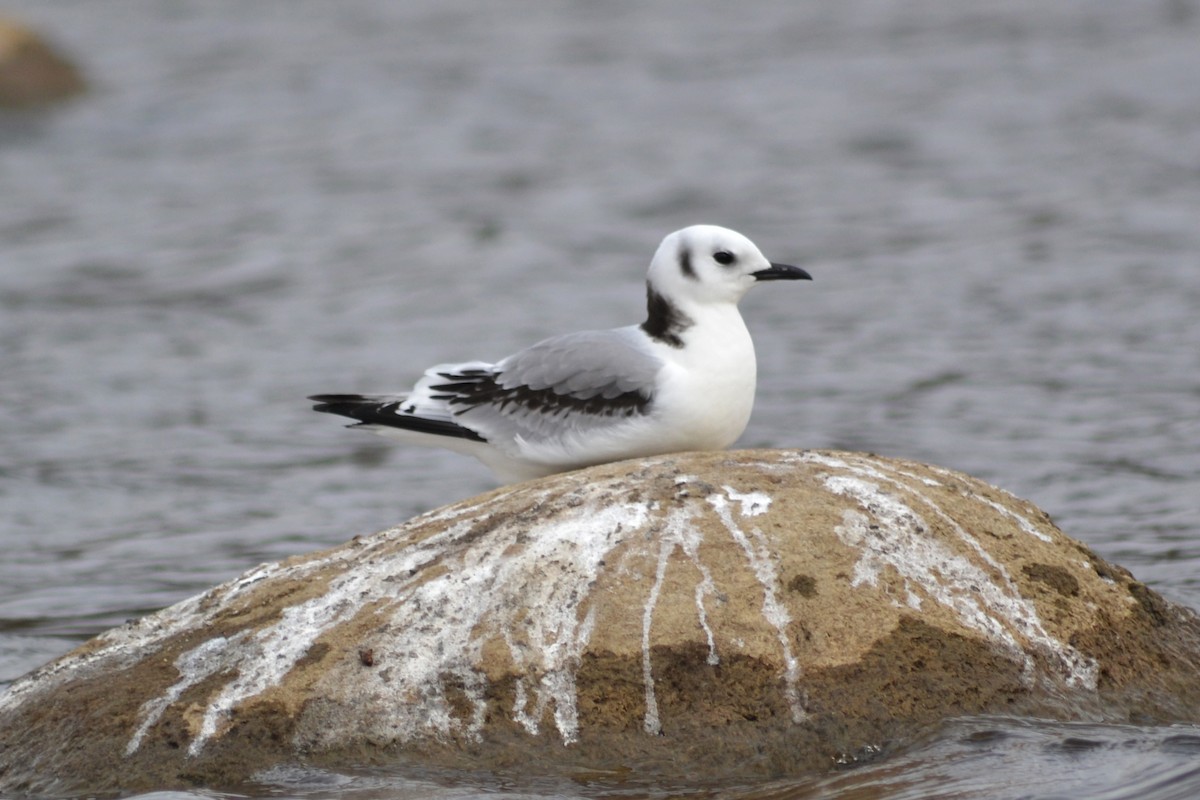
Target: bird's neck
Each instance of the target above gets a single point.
(674, 324)
(665, 321)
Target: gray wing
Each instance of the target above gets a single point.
(559, 386)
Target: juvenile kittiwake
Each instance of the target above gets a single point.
(682, 380)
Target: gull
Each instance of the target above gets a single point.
(682, 380)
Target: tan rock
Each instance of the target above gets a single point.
(713, 615)
(31, 71)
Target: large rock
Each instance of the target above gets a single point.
(31, 71)
(732, 615)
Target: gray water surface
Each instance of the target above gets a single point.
(1000, 204)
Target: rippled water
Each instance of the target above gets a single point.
(260, 201)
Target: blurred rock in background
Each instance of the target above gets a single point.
(32, 73)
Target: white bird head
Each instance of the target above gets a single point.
(708, 264)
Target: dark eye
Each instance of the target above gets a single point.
(723, 257)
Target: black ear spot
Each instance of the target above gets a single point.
(685, 263)
(724, 257)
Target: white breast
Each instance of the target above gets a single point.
(707, 389)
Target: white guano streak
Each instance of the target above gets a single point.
(678, 532)
(983, 597)
(128, 644)
(436, 626)
(542, 625)
(263, 658)
(652, 724)
(758, 554)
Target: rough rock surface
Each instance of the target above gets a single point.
(718, 615)
(31, 71)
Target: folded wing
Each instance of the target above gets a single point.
(555, 391)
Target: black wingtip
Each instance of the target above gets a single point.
(338, 398)
(344, 404)
(375, 411)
